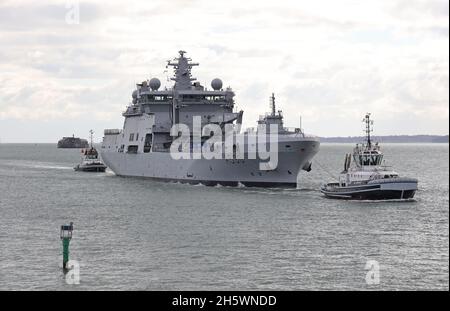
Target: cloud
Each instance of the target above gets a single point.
(330, 61)
(33, 16)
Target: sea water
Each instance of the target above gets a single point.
(139, 234)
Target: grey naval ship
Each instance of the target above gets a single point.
(367, 178)
(143, 147)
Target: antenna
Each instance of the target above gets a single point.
(91, 132)
(272, 104)
(368, 128)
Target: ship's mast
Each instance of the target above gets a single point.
(182, 68)
(368, 129)
(91, 132)
(272, 104)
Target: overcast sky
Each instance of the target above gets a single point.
(328, 61)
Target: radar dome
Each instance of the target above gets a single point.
(134, 94)
(216, 84)
(155, 84)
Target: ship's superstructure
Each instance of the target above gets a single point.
(152, 128)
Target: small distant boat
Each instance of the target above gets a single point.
(368, 178)
(90, 160)
(72, 142)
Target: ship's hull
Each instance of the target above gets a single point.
(373, 195)
(161, 166)
(98, 168)
(392, 189)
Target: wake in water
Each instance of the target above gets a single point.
(382, 201)
(36, 165)
(51, 167)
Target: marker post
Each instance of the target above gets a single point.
(66, 236)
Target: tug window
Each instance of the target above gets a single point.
(131, 137)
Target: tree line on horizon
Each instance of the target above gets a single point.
(389, 139)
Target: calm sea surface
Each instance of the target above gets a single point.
(138, 234)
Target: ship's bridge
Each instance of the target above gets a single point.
(188, 96)
(185, 92)
(368, 155)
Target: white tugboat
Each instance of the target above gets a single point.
(90, 160)
(368, 178)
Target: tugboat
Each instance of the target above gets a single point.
(368, 178)
(90, 161)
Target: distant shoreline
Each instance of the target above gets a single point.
(400, 139)
(389, 139)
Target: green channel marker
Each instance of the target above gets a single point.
(66, 236)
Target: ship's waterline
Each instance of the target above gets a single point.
(247, 171)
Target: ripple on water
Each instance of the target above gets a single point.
(146, 235)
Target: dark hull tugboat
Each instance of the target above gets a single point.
(90, 160)
(367, 178)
